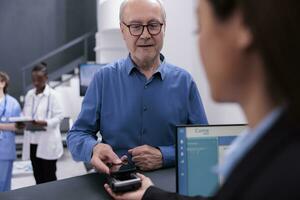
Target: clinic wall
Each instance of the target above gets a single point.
(32, 28)
(181, 49)
(70, 98)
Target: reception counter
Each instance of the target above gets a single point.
(88, 186)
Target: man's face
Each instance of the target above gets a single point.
(144, 48)
(39, 79)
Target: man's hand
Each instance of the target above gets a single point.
(146, 157)
(102, 155)
(135, 195)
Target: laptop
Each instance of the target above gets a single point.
(199, 149)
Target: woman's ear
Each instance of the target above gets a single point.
(244, 36)
(2, 84)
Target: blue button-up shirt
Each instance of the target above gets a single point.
(130, 110)
(9, 107)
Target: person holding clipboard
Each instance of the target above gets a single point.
(42, 140)
(9, 107)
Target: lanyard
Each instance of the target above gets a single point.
(4, 109)
(34, 111)
(2, 116)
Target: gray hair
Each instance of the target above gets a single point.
(123, 5)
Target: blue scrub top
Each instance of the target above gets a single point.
(9, 107)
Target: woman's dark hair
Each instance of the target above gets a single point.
(41, 67)
(276, 32)
(4, 78)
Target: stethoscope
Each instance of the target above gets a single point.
(34, 111)
(2, 118)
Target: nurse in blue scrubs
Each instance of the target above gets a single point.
(9, 107)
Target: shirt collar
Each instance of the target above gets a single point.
(131, 66)
(247, 139)
(46, 91)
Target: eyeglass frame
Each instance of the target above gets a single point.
(128, 26)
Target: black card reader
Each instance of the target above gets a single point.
(123, 178)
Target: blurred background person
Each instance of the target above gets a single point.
(43, 147)
(9, 107)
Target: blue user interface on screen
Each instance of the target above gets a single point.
(198, 154)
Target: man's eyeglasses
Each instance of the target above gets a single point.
(138, 29)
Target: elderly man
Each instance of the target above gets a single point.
(136, 102)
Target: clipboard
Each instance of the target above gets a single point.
(29, 122)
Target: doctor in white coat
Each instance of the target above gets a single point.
(43, 147)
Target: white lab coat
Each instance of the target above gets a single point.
(45, 106)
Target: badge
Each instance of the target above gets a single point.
(3, 119)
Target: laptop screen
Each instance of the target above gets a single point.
(199, 149)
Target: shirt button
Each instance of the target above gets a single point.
(145, 86)
(145, 108)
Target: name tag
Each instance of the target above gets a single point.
(3, 119)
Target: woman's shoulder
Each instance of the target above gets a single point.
(12, 100)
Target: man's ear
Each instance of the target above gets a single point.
(121, 27)
(164, 28)
(122, 31)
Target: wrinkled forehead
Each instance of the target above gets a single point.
(142, 11)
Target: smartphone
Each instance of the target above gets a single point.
(122, 169)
